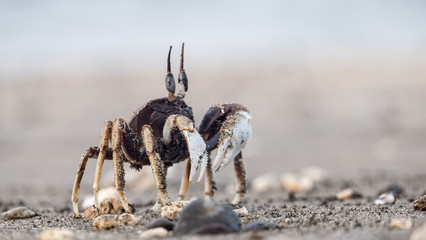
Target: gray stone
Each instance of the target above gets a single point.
(256, 226)
(17, 213)
(207, 217)
(161, 222)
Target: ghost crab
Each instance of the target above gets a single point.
(163, 133)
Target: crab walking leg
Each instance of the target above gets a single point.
(157, 167)
(209, 183)
(118, 159)
(184, 182)
(103, 146)
(196, 145)
(234, 134)
(240, 173)
(91, 152)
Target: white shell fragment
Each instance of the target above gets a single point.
(401, 223)
(235, 133)
(128, 219)
(107, 206)
(17, 213)
(345, 194)
(386, 199)
(105, 222)
(56, 234)
(241, 212)
(171, 210)
(265, 183)
(154, 232)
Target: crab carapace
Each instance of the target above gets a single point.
(163, 133)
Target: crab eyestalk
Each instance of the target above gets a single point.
(170, 81)
(182, 79)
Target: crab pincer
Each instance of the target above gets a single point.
(234, 134)
(196, 145)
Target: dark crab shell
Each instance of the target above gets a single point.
(154, 114)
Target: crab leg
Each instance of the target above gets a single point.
(118, 159)
(209, 183)
(241, 178)
(103, 146)
(234, 134)
(91, 152)
(157, 167)
(184, 182)
(196, 144)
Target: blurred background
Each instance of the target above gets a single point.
(338, 85)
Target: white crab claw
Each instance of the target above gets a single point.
(196, 145)
(235, 133)
(197, 153)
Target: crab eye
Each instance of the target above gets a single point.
(183, 79)
(170, 83)
(182, 75)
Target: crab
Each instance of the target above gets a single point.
(163, 133)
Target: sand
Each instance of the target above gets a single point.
(313, 215)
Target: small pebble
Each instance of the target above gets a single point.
(207, 216)
(171, 210)
(256, 226)
(419, 233)
(56, 234)
(348, 193)
(154, 232)
(401, 223)
(111, 206)
(161, 222)
(107, 206)
(420, 204)
(386, 199)
(296, 183)
(89, 213)
(128, 219)
(105, 222)
(265, 183)
(17, 213)
(241, 212)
